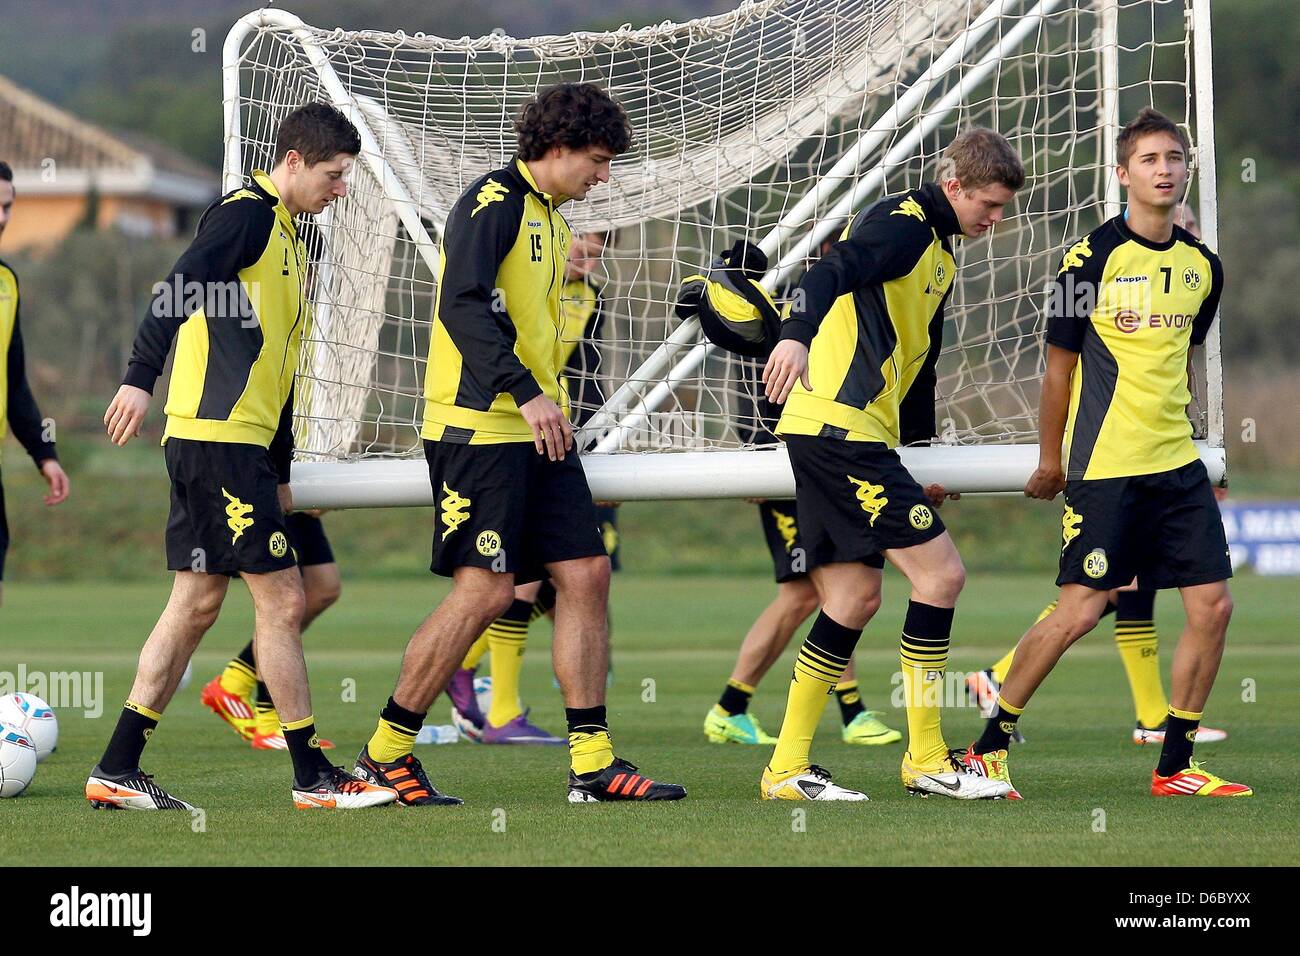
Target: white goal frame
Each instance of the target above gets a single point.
(969, 469)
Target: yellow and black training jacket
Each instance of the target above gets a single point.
(18, 409)
(236, 306)
(1132, 309)
(871, 313)
(496, 340)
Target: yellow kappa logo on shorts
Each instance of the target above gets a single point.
(1095, 564)
(609, 537)
(921, 517)
(488, 543)
(1070, 522)
(237, 516)
(455, 510)
(279, 545)
(786, 528)
(870, 496)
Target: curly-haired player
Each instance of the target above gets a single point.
(510, 496)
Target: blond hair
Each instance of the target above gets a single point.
(980, 157)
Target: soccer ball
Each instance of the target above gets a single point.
(17, 761)
(483, 693)
(33, 717)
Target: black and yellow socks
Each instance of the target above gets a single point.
(1135, 639)
(923, 655)
(506, 637)
(395, 735)
(735, 698)
(846, 692)
(266, 719)
(134, 727)
(591, 749)
(304, 749)
(1180, 738)
(818, 668)
(999, 728)
(240, 676)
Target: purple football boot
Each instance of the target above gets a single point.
(519, 731)
(465, 712)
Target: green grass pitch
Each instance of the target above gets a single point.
(1085, 783)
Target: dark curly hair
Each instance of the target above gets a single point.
(576, 115)
(318, 132)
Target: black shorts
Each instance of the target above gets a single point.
(507, 508)
(856, 501)
(307, 538)
(4, 532)
(1165, 529)
(780, 521)
(607, 519)
(225, 515)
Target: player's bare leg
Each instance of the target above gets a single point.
(1196, 663)
(278, 604)
(434, 652)
(436, 649)
(580, 648)
(322, 585)
(1077, 612)
(771, 631)
(191, 611)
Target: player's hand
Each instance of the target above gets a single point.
(787, 364)
(285, 495)
(938, 494)
(125, 414)
(1046, 482)
(552, 433)
(315, 512)
(57, 479)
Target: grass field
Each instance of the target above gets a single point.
(680, 633)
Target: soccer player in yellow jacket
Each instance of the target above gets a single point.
(511, 501)
(236, 305)
(18, 409)
(1131, 300)
(857, 350)
(582, 311)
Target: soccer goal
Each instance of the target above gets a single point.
(773, 123)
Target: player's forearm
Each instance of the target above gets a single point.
(1053, 408)
(24, 415)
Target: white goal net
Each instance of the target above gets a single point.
(773, 123)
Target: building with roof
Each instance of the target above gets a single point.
(66, 170)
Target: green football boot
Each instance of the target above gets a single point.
(867, 729)
(734, 729)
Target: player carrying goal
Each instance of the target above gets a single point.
(510, 496)
(857, 353)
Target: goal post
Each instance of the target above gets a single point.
(773, 123)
